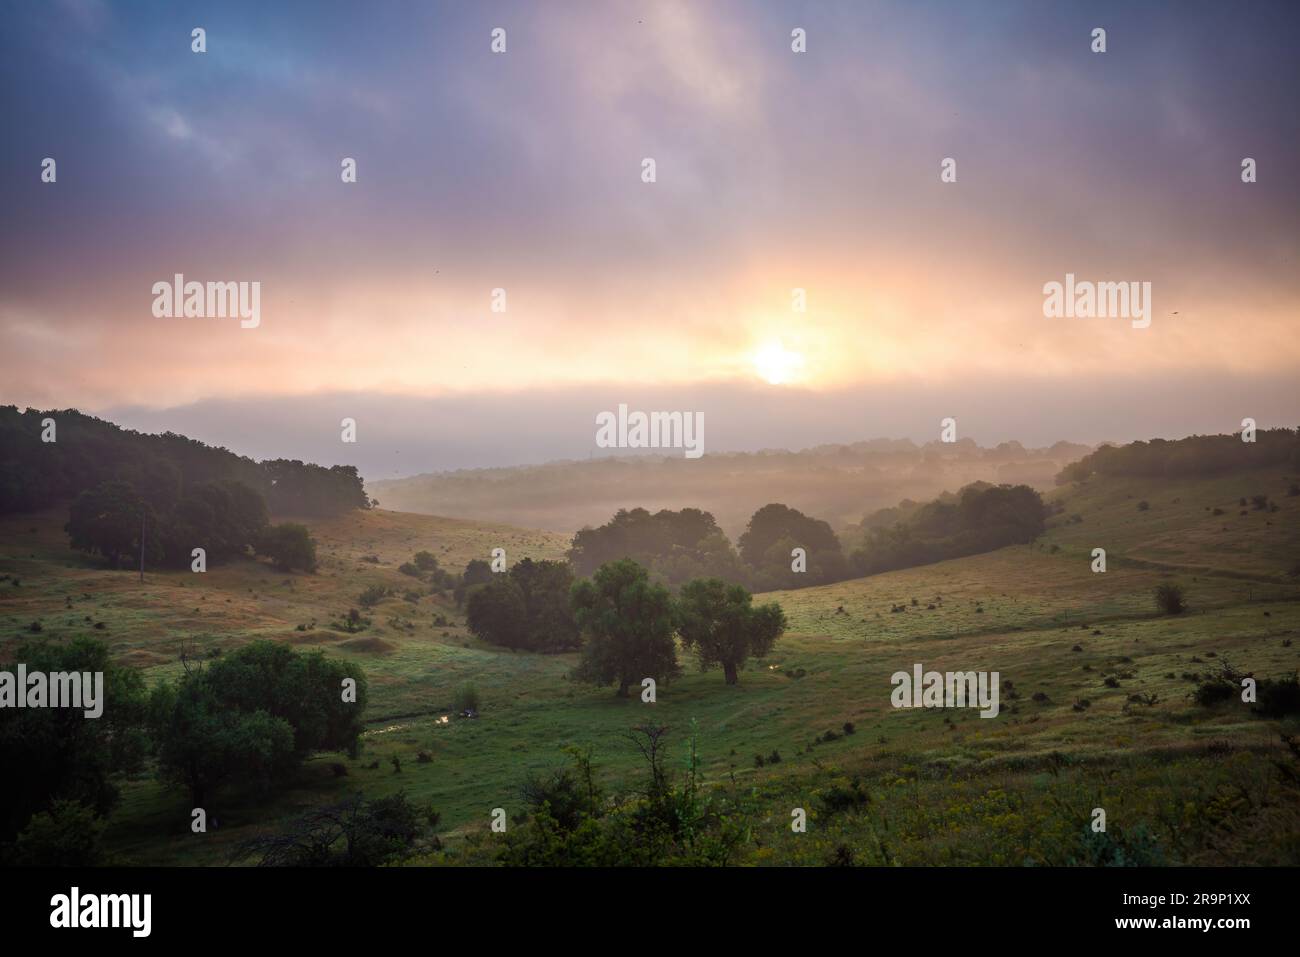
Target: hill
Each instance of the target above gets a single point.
(838, 483)
(939, 786)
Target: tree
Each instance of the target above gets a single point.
(106, 519)
(202, 744)
(254, 714)
(477, 572)
(528, 607)
(779, 525)
(51, 754)
(224, 518)
(674, 546)
(290, 546)
(496, 613)
(719, 622)
(628, 625)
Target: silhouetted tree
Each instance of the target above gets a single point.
(627, 623)
(720, 623)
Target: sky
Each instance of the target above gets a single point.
(523, 171)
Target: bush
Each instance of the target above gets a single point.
(69, 834)
(290, 546)
(372, 596)
(354, 833)
(467, 698)
(1170, 599)
(1278, 697)
(526, 609)
(840, 798)
(565, 797)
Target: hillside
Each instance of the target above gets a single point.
(838, 483)
(944, 787)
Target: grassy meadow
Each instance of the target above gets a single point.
(1180, 783)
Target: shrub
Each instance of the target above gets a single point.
(289, 545)
(1170, 599)
(467, 698)
(1278, 697)
(69, 834)
(840, 798)
(372, 596)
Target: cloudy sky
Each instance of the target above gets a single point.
(775, 170)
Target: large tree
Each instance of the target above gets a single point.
(773, 532)
(527, 608)
(107, 519)
(52, 754)
(253, 715)
(628, 624)
(720, 623)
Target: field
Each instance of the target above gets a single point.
(1179, 783)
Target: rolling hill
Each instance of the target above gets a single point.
(1180, 783)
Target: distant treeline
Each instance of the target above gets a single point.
(162, 469)
(1193, 457)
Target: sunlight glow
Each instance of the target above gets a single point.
(777, 364)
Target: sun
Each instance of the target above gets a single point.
(777, 364)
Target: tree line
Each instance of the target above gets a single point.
(982, 518)
(49, 457)
(1196, 456)
(782, 548)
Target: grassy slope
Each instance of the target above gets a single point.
(946, 786)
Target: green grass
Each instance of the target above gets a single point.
(946, 786)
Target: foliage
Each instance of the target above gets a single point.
(51, 754)
(290, 546)
(674, 546)
(160, 468)
(1170, 598)
(526, 608)
(69, 834)
(1197, 456)
(254, 714)
(628, 625)
(772, 534)
(354, 833)
(984, 518)
(719, 622)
